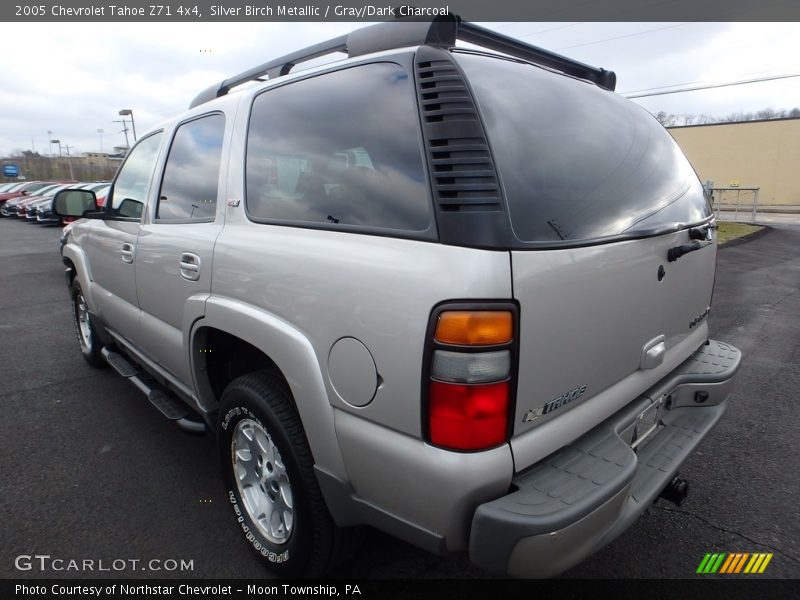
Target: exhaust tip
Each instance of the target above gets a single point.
(676, 491)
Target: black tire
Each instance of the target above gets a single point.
(90, 344)
(314, 545)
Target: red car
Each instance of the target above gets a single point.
(24, 189)
(29, 188)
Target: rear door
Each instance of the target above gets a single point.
(598, 193)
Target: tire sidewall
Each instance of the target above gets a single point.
(92, 354)
(290, 558)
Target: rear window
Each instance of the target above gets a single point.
(578, 162)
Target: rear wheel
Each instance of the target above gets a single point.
(270, 480)
(87, 338)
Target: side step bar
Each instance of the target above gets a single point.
(169, 406)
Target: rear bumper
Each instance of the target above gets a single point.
(583, 496)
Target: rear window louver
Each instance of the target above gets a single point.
(462, 171)
(463, 176)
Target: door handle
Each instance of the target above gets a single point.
(127, 253)
(190, 266)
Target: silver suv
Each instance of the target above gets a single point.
(454, 295)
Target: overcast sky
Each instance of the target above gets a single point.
(72, 78)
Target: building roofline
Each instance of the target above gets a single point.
(733, 123)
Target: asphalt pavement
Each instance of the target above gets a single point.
(90, 471)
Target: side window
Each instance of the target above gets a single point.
(133, 180)
(341, 148)
(191, 176)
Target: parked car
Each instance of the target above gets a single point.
(4, 187)
(42, 210)
(25, 189)
(11, 207)
(455, 295)
(30, 210)
(12, 186)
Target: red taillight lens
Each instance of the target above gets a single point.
(468, 417)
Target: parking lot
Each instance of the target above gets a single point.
(90, 470)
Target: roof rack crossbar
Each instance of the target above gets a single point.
(441, 31)
(274, 68)
(486, 38)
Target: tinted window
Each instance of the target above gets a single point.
(33, 187)
(47, 188)
(578, 162)
(341, 149)
(133, 181)
(189, 185)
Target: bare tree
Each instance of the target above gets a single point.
(673, 120)
(665, 119)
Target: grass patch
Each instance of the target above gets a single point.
(728, 230)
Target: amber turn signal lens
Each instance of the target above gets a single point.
(475, 327)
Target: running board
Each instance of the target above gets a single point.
(169, 406)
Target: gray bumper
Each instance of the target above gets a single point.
(583, 496)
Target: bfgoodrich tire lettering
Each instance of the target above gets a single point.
(270, 483)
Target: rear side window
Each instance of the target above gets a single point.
(191, 175)
(578, 162)
(338, 149)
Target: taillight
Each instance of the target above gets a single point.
(469, 375)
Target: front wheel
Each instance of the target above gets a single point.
(87, 337)
(270, 480)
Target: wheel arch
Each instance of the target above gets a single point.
(234, 338)
(74, 258)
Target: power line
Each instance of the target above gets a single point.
(712, 86)
(675, 85)
(628, 35)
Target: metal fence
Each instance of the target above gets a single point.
(736, 200)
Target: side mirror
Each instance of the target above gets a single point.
(74, 203)
(130, 208)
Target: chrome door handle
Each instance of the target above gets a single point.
(127, 253)
(190, 266)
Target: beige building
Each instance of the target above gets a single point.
(751, 154)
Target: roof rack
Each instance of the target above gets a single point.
(441, 31)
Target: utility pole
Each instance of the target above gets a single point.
(69, 159)
(125, 131)
(128, 112)
(101, 132)
(59, 153)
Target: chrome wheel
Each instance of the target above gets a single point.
(82, 321)
(262, 481)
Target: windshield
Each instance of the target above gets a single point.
(47, 189)
(578, 162)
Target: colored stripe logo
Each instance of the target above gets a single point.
(734, 563)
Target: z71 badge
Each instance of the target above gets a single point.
(562, 400)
